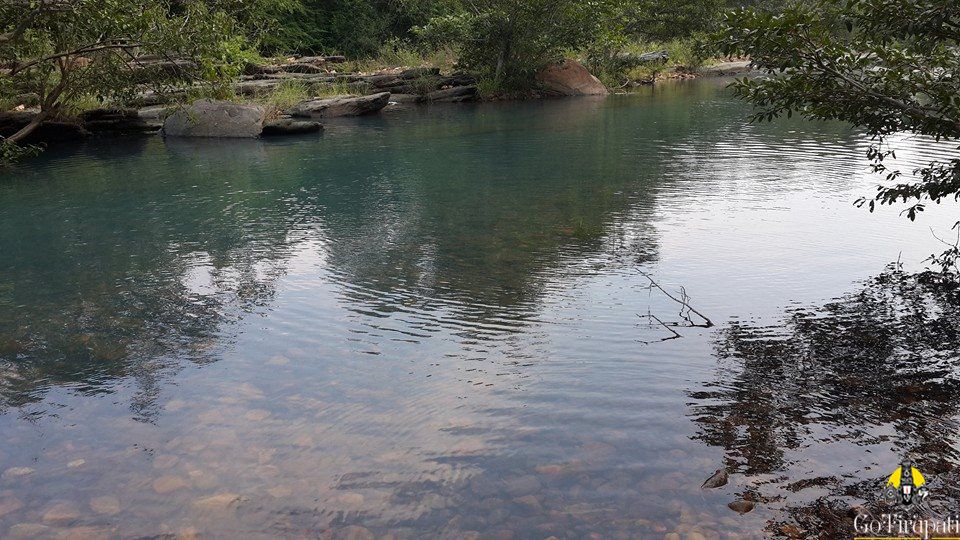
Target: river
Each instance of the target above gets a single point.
(440, 322)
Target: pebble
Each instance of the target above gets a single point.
(14, 472)
(278, 361)
(28, 530)
(167, 484)
(211, 417)
(221, 501)
(105, 505)
(257, 415)
(671, 536)
(717, 479)
(175, 405)
(522, 485)
(741, 507)
(59, 512)
(76, 463)
(529, 502)
(280, 492)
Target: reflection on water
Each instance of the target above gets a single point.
(429, 323)
(872, 371)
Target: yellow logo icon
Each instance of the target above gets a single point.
(906, 485)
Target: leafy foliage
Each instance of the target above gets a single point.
(508, 41)
(356, 28)
(64, 50)
(886, 65)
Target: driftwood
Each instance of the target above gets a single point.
(686, 311)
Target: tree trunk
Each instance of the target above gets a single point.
(48, 106)
(29, 128)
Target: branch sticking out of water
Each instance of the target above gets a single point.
(685, 308)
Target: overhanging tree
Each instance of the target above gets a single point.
(61, 50)
(888, 66)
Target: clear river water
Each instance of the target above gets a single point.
(439, 322)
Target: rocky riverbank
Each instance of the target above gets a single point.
(362, 93)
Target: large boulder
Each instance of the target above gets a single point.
(570, 78)
(340, 106)
(211, 118)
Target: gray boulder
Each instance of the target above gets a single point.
(211, 118)
(340, 106)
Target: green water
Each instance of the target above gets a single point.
(436, 322)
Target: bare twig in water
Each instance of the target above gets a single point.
(684, 302)
(665, 325)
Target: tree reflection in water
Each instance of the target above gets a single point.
(877, 369)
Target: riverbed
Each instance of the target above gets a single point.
(440, 321)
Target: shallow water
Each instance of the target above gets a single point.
(437, 321)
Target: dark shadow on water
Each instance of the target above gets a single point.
(878, 369)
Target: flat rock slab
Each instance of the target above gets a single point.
(289, 126)
(728, 68)
(211, 118)
(118, 121)
(340, 106)
(455, 94)
(570, 78)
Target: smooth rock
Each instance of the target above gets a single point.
(727, 68)
(289, 126)
(570, 78)
(14, 472)
(9, 504)
(28, 530)
(340, 106)
(717, 479)
(105, 505)
(257, 415)
(519, 486)
(278, 360)
(349, 499)
(211, 118)
(741, 507)
(169, 483)
(220, 501)
(61, 512)
(529, 502)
